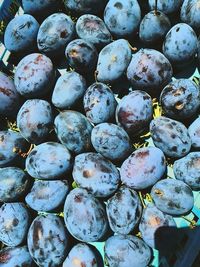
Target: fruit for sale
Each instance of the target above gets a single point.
(98, 175)
(99, 103)
(170, 136)
(194, 133)
(166, 6)
(190, 11)
(187, 170)
(85, 216)
(14, 223)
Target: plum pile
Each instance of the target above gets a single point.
(99, 131)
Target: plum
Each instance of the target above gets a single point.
(14, 183)
(124, 210)
(143, 168)
(93, 29)
(81, 55)
(85, 216)
(187, 170)
(81, 255)
(149, 70)
(48, 160)
(113, 61)
(34, 120)
(180, 99)
(172, 196)
(134, 112)
(194, 133)
(170, 136)
(98, 175)
(34, 76)
(166, 6)
(48, 240)
(9, 97)
(180, 44)
(122, 17)
(74, 131)
(14, 223)
(99, 103)
(69, 88)
(55, 32)
(111, 141)
(21, 34)
(190, 11)
(126, 251)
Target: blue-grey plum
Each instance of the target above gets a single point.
(143, 168)
(172, 196)
(134, 112)
(81, 55)
(187, 170)
(34, 76)
(98, 175)
(180, 99)
(122, 17)
(170, 136)
(154, 27)
(81, 255)
(111, 141)
(34, 120)
(69, 88)
(16, 256)
(93, 29)
(74, 131)
(14, 223)
(48, 240)
(153, 219)
(55, 32)
(9, 97)
(166, 6)
(180, 44)
(113, 61)
(12, 145)
(13, 183)
(99, 103)
(149, 70)
(21, 34)
(194, 133)
(85, 216)
(48, 160)
(126, 251)
(86, 6)
(190, 11)
(124, 210)
(47, 195)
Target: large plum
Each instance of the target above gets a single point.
(55, 32)
(48, 240)
(74, 131)
(124, 210)
(21, 34)
(69, 88)
(134, 112)
(99, 103)
(48, 160)
(34, 76)
(172, 196)
(96, 174)
(194, 132)
(170, 136)
(14, 223)
(122, 17)
(126, 251)
(149, 70)
(85, 216)
(190, 11)
(113, 61)
(143, 168)
(111, 141)
(13, 183)
(187, 170)
(166, 6)
(180, 99)
(34, 120)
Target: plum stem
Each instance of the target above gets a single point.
(95, 75)
(156, 7)
(142, 200)
(192, 222)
